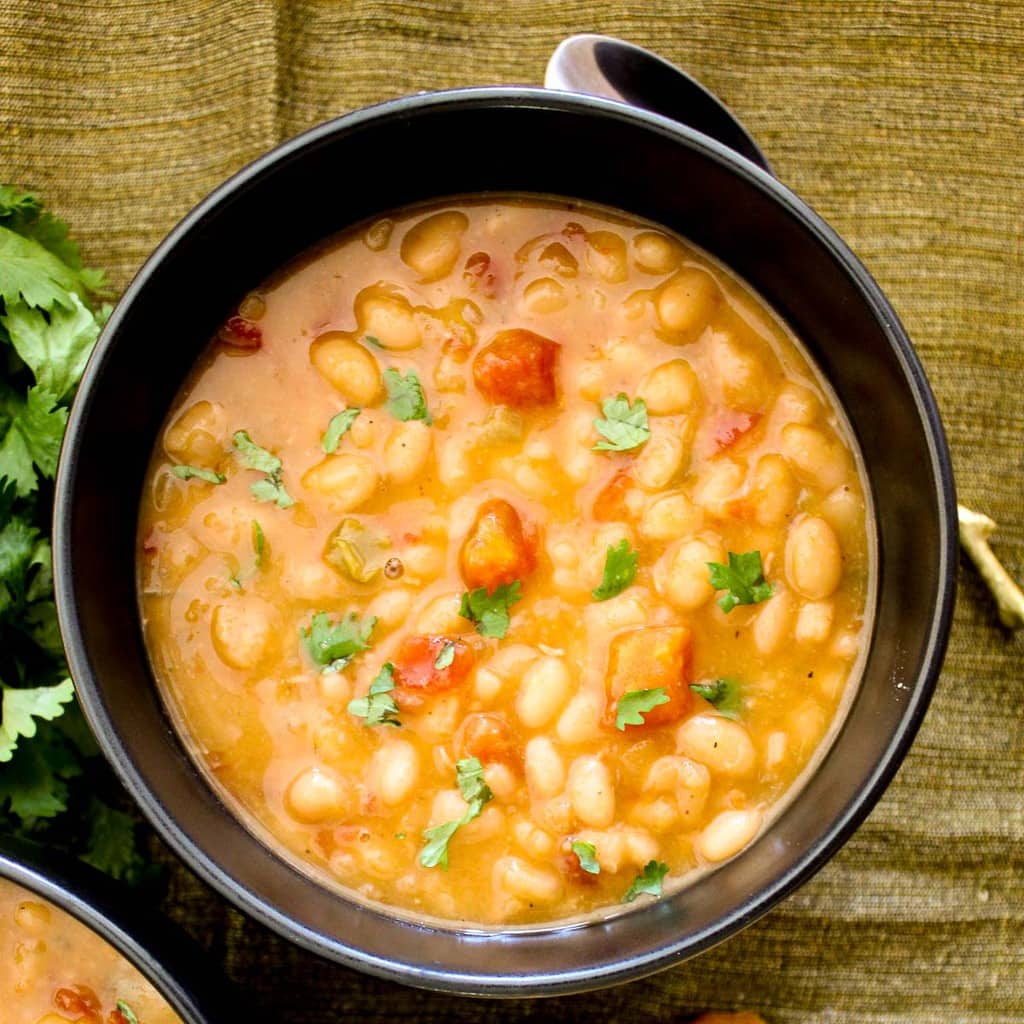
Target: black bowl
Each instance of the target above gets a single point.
(173, 964)
(501, 141)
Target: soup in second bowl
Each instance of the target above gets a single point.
(505, 561)
(54, 970)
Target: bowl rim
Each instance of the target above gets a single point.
(576, 979)
(159, 950)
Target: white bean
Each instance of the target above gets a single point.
(348, 367)
(815, 457)
(814, 622)
(773, 622)
(581, 719)
(591, 791)
(727, 834)
(545, 770)
(407, 451)
(395, 767)
(660, 459)
(670, 388)
(346, 480)
(543, 692)
(723, 746)
(686, 302)
(318, 794)
(681, 574)
(814, 564)
(242, 632)
(517, 877)
(669, 518)
(431, 247)
(655, 253)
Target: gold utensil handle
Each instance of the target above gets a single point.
(975, 530)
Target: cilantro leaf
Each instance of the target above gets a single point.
(490, 611)
(373, 340)
(55, 345)
(586, 853)
(446, 655)
(378, 707)
(259, 544)
(648, 882)
(127, 1012)
(742, 579)
(33, 784)
(34, 430)
(254, 457)
(469, 774)
(337, 429)
(724, 694)
(634, 704)
(31, 274)
(624, 426)
(110, 846)
(333, 646)
(21, 708)
(405, 396)
(197, 472)
(619, 571)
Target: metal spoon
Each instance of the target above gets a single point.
(603, 66)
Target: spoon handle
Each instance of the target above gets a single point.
(609, 67)
(975, 529)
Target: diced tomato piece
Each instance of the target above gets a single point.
(488, 738)
(611, 504)
(517, 368)
(80, 1001)
(729, 426)
(417, 679)
(498, 550)
(240, 333)
(117, 1017)
(652, 657)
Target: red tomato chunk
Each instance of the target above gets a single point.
(497, 551)
(416, 678)
(488, 738)
(653, 657)
(517, 368)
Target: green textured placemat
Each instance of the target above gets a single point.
(902, 123)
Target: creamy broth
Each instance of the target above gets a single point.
(54, 970)
(462, 651)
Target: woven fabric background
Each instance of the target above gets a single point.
(902, 122)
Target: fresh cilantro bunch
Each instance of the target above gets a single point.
(54, 787)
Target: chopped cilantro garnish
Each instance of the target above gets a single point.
(742, 580)
(446, 655)
(271, 488)
(198, 473)
(373, 340)
(624, 426)
(724, 694)
(586, 853)
(634, 704)
(338, 428)
(127, 1012)
(648, 882)
(259, 544)
(378, 707)
(619, 571)
(490, 611)
(334, 645)
(405, 396)
(50, 766)
(469, 774)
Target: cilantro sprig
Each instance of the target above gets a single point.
(332, 645)
(490, 610)
(742, 580)
(634, 704)
(127, 1012)
(647, 882)
(620, 563)
(54, 786)
(623, 425)
(469, 773)
(378, 707)
(406, 400)
(723, 694)
(198, 473)
(445, 656)
(338, 427)
(586, 854)
(271, 487)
